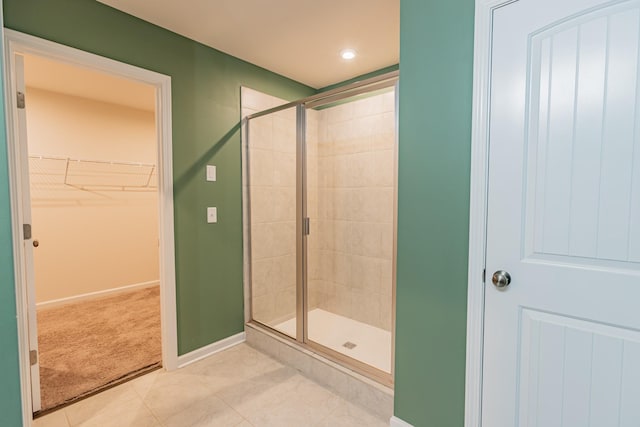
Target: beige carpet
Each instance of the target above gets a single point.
(91, 345)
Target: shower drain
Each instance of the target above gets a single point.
(349, 345)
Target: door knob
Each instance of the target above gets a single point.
(36, 243)
(501, 279)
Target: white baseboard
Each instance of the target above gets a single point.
(91, 295)
(218, 346)
(397, 422)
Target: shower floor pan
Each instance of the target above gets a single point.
(358, 340)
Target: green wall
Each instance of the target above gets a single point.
(436, 56)
(435, 117)
(9, 367)
(206, 112)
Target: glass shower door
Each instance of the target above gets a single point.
(272, 181)
(351, 193)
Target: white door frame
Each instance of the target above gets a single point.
(478, 207)
(16, 42)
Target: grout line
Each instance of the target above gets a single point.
(244, 419)
(144, 403)
(66, 417)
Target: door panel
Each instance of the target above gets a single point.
(562, 340)
(272, 193)
(28, 243)
(573, 371)
(581, 151)
(350, 177)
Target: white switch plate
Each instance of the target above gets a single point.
(211, 173)
(212, 215)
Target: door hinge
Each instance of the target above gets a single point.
(484, 275)
(21, 101)
(33, 357)
(26, 231)
(307, 227)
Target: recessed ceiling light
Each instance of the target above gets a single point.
(348, 54)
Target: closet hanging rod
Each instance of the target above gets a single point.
(103, 162)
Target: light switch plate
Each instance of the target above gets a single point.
(212, 215)
(211, 173)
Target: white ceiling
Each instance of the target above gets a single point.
(55, 76)
(299, 39)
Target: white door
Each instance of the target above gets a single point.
(562, 340)
(28, 241)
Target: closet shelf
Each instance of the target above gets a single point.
(92, 175)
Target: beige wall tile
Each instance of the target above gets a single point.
(284, 134)
(263, 307)
(386, 277)
(313, 265)
(389, 102)
(326, 265)
(262, 207)
(316, 296)
(372, 105)
(259, 101)
(384, 162)
(340, 236)
(365, 239)
(284, 169)
(325, 147)
(284, 272)
(340, 203)
(342, 268)
(312, 173)
(340, 113)
(262, 276)
(386, 241)
(386, 313)
(387, 123)
(261, 241)
(365, 307)
(365, 273)
(325, 235)
(285, 304)
(284, 238)
(261, 133)
(260, 168)
(362, 169)
(372, 204)
(342, 175)
(283, 204)
(341, 301)
(326, 172)
(355, 143)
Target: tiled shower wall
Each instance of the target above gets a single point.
(351, 262)
(350, 202)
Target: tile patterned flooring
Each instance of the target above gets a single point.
(237, 387)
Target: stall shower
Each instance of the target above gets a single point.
(320, 192)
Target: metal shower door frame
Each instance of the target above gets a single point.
(383, 81)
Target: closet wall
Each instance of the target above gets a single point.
(99, 230)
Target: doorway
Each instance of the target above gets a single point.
(54, 178)
(93, 190)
